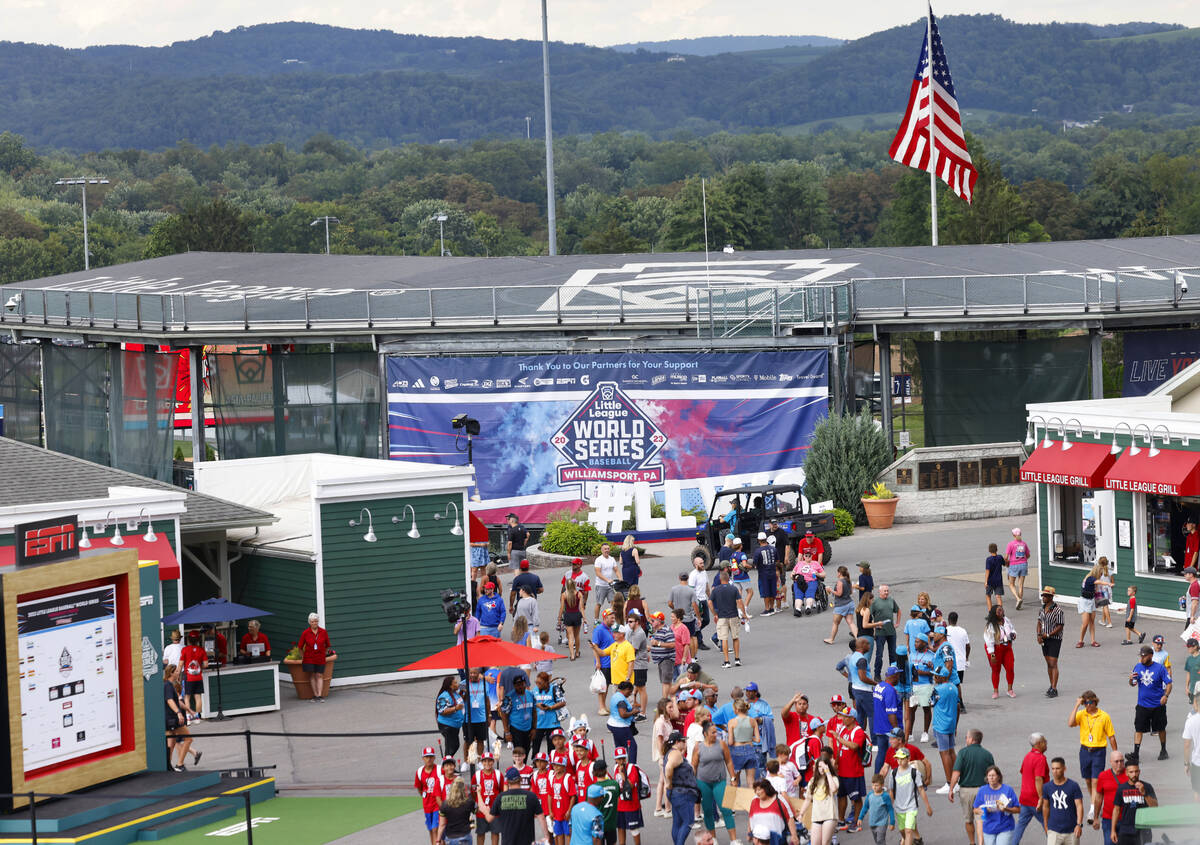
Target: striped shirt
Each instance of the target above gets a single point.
(662, 645)
(1051, 618)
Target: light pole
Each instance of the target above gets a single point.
(83, 182)
(327, 220)
(552, 217)
(441, 219)
(528, 131)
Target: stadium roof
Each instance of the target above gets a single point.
(205, 295)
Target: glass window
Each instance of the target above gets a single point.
(1166, 537)
(1072, 532)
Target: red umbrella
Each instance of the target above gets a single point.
(484, 651)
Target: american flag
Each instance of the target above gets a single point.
(911, 145)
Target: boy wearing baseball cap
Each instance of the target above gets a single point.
(631, 781)
(488, 783)
(428, 785)
(563, 794)
(587, 822)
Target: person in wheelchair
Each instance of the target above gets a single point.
(808, 578)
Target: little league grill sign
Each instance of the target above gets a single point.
(607, 438)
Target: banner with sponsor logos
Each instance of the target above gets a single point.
(559, 431)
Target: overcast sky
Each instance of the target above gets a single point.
(78, 23)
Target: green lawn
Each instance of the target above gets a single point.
(914, 422)
(304, 821)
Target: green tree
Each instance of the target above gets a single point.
(216, 226)
(799, 205)
(846, 455)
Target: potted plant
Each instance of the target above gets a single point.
(880, 504)
(295, 666)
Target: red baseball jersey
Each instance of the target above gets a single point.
(428, 783)
(539, 783)
(487, 786)
(563, 793)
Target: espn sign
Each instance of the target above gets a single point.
(47, 540)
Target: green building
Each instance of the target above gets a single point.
(368, 545)
(1118, 478)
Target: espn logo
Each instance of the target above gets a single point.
(47, 540)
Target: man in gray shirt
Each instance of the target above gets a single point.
(641, 660)
(683, 597)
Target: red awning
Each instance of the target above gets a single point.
(1172, 472)
(479, 532)
(1083, 465)
(159, 550)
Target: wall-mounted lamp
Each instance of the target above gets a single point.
(1067, 444)
(413, 533)
(1154, 450)
(457, 529)
(357, 523)
(1133, 447)
(84, 542)
(132, 525)
(1047, 443)
(110, 518)
(1116, 450)
(1031, 435)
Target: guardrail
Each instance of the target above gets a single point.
(716, 311)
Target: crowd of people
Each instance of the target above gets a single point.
(862, 760)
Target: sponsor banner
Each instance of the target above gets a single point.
(47, 540)
(1152, 358)
(560, 430)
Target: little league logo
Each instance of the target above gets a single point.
(608, 438)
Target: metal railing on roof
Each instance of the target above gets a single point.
(715, 310)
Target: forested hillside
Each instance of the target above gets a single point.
(374, 89)
(618, 193)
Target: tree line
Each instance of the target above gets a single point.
(618, 193)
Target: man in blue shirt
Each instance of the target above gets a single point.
(587, 822)
(945, 716)
(921, 664)
(761, 712)
(1153, 682)
(1062, 803)
(517, 711)
(602, 638)
(917, 624)
(490, 611)
(862, 685)
(475, 728)
(724, 713)
(886, 712)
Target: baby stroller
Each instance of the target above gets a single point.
(818, 603)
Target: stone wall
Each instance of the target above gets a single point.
(970, 499)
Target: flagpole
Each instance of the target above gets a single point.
(933, 205)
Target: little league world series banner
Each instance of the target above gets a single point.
(611, 431)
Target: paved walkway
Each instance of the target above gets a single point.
(783, 654)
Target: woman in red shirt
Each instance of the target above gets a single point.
(314, 644)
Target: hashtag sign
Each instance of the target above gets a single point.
(610, 506)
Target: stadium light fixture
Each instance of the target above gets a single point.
(327, 220)
(83, 182)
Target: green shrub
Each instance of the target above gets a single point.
(846, 454)
(574, 539)
(844, 520)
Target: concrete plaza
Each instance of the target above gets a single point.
(783, 654)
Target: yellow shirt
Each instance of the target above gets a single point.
(621, 655)
(1094, 729)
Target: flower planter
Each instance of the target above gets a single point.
(880, 512)
(300, 677)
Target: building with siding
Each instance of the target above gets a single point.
(369, 545)
(1118, 478)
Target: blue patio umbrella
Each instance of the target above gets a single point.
(213, 610)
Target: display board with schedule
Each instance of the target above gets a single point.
(69, 675)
